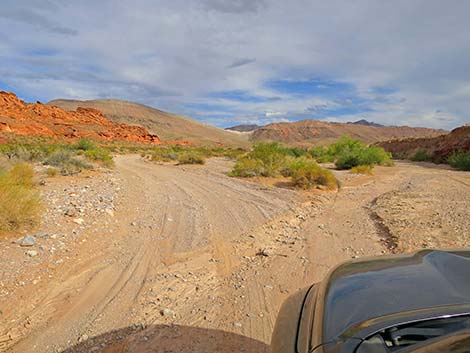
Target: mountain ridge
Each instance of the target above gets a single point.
(168, 126)
(310, 132)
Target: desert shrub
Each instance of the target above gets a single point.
(421, 155)
(163, 155)
(363, 169)
(19, 202)
(21, 174)
(247, 167)
(306, 173)
(373, 155)
(295, 151)
(349, 153)
(191, 157)
(321, 154)
(100, 155)
(460, 160)
(66, 162)
(272, 155)
(85, 144)
(51, 172)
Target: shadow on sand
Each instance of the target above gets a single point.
(169, 339)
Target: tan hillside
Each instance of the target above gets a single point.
(169, 127)
(309, 132)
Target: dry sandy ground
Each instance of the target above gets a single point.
(191, 260)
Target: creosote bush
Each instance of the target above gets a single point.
(348, 153)
(460, 160)
(306, 173)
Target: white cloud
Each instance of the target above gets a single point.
(169, 54)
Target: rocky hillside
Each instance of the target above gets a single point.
(437, 148)
(23, 118)
(309, 132)
(169, 127)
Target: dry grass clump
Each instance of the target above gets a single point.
(363, 169)
(191, 157)
(306, 174)
(19, 202)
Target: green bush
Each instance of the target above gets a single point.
(248, 167)
(19, 202)
(100, 155)
(460, 160)
(272, 155)
(85, 145)
(350, 153)
(306, 173)
(322, 154)
(420, 156)
(191, 158)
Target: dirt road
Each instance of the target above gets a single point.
(192, 260)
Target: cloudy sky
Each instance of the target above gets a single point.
(228, 62)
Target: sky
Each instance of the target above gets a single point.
(228, 62)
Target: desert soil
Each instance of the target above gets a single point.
(163, 258)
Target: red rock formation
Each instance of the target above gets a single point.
(438, 148)
(23, 118)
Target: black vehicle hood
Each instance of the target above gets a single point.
(364, 290)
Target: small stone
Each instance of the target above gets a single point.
(237, 324)
(31, 253)
(167, 313)
(28, 241)
(265, 252)
(79, 221)
(83, 338)
(109, 212)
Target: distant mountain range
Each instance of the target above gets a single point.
(243, 128)
(365, 123)
(310, 132)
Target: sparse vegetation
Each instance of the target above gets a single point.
(85, 145)
(178, 153)
(68, 159)
(51, 172)
(101, 156)
(460, 160)
(420, 156)
(66, 162)
(191, 157)
(363, 169)
(19, 202)
(274, 160)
